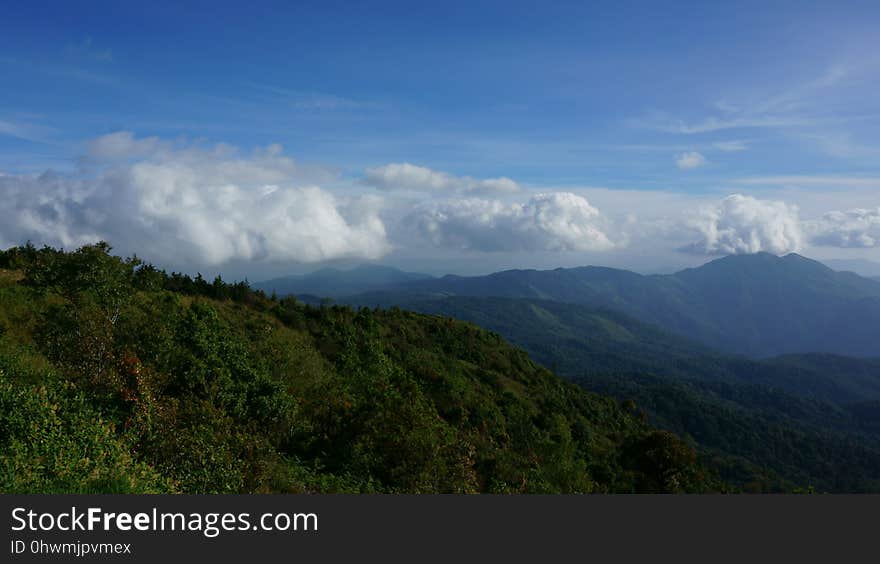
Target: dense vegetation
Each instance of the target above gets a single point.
(758, 438)
(771, 425)
(118, 377)
(575, 340)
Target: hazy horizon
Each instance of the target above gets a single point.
(863, 268)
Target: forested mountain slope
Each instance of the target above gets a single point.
(576, 340)
(116, 377)
(767, 425)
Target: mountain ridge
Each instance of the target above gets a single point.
(759, 305)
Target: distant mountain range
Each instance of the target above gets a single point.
(758, 305)
(334, 283)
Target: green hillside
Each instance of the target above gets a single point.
(579, 340)
(766, 425)
(569, 337)
(116, 377)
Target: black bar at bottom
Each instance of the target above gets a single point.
(440, 528)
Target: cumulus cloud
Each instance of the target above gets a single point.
(406, 176)
(851, 228)
(689, 160)
(191, 206)
(558, 221)
(741, 224)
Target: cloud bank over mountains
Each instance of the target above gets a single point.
(741, 224)
(191, 205)
(182, 203)
(559, 221)
(859, 228)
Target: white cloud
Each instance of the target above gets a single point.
(741, 224)
(493, 185)
(188, 205)
(859, 228)
(689, 160)
(45, 209)
(406, 176)
(558, 221)
(192, 206)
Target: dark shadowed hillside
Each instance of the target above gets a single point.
(577, 340)
(797, 419)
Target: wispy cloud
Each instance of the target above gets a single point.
(731, 146)
(315, 101)
(26, 131)
(60, 69)
(711, 124)
(844, 145)
(797, 106)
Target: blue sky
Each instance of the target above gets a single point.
(643, 109)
